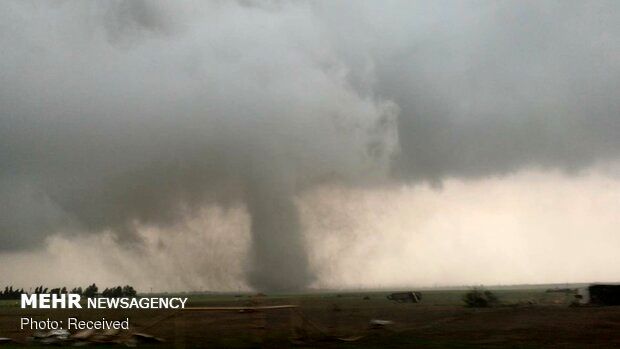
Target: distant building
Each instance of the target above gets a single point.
(599, 294)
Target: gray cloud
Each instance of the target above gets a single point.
(128, 120)
(136, 113)
(490, 87)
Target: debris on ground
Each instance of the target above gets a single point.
(51, 337)
(92, 337)
(83, 334)
(404, 297)
(146, 338)
(6, 340)
(350, 339)
(378, 323)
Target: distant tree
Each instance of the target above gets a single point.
(10, 293)
(91, 291)
(118, 291)
(129, 291)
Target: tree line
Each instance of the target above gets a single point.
(89, 291)
(10, 293)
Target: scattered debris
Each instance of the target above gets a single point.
(6, 340)
(350, 339)
(403, 297)
(89, 336)
(378, 323)
(51, 337)
(83, 334)
(146, 338)
(111, 332)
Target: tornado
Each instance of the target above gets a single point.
(278, 255)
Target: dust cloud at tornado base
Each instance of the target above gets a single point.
(523, 228)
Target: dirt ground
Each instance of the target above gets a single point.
(526, 319)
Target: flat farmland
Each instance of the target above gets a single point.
(526, 318)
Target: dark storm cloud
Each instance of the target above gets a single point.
(491, 87)
(129, 113)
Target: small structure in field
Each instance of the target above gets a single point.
(403, 297)
(599, 294)
(480, 298)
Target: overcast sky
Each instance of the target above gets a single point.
(282, 145)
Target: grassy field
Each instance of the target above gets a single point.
(525, 318)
